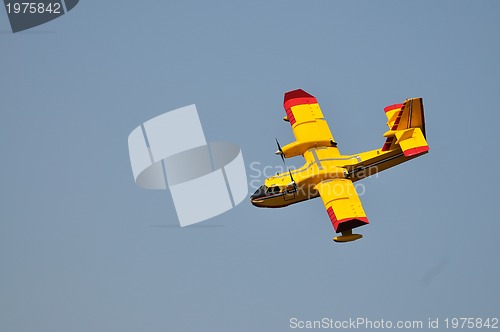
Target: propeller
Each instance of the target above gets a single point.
(280, 151)
(291, 177)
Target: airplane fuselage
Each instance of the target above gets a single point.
(299, 185)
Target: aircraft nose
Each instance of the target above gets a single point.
(259, 192)
(256, 197)
(256, 202)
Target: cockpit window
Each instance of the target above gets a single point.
(260, 192)
(273, 190)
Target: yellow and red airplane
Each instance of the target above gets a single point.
(329, 174)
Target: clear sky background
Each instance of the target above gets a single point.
(83, 249)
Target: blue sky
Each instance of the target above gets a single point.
(83, 249)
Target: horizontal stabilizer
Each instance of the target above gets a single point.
(412, 141)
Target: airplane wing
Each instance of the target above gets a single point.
(343, 206)
(308, 124)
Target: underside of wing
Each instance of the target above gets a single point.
(342, 204)
(308, 124)
(305, 116)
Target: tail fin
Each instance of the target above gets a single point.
(406, 127)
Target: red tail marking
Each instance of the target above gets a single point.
(387, 144)
(392, 107)
(415, 151)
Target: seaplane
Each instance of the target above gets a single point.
(329, 174)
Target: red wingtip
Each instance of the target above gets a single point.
(350, 223)
(392, 107)
(415, 151)
(298, 97)
(299, 93)
(345, 224)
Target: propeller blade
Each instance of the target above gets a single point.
(278, 144)
(280, 151)
(291, 177)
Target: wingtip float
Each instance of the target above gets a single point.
(329, 174)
